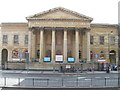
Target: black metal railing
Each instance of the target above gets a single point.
(61, 82)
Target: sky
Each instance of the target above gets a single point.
(102, 11)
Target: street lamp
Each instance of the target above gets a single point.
(108, 44)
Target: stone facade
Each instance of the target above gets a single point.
(56, 32)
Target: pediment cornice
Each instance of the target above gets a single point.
(78, 16)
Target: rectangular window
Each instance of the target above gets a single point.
(101, 40)
(112, 40)
(5, 39)
(26, 39)
(91, 40)
(16, 39)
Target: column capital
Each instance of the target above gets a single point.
(53, 28)
(65, 28)
(78, 29)
(41, 28)
(30, 28)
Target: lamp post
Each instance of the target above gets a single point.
(108, 44)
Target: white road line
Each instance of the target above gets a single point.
(81, 77)
(97, 77)
(107, 77)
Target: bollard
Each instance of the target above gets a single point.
(77, 82)
(105, 81)
(62, 82)
(47, 82)
(19, 81)
(33, 81)
(91, 81)
(4, 81)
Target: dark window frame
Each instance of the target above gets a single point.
(26, 39)
(101, 40)
(5, 39)
(16, 39)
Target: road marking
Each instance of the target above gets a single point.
(107, 77)
(87, 79)
(81, 77)
(97, 77)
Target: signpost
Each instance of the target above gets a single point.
(20, 55)
(27, 61)
(96, 55)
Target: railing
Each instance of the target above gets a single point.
(59, 82)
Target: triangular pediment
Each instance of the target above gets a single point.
(59, 13)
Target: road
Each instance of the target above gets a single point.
(59, 79)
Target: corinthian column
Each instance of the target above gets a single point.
(33, 45)
(53, 46)
(41, 44)
(65, 46)
(76, 45)
(88, 45)
(29, 43)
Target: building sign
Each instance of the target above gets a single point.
(59, 58)
(20, 55)
(68, 66)
(96, 56)
(71, 59)
(47, 59)
(101, 60)
(108, 60)
(15, 59)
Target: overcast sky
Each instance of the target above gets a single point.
(102, 11)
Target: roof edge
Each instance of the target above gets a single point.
(104, 24)
(14, 23)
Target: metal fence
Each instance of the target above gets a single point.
(61, 82)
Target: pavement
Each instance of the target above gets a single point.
(53, 72)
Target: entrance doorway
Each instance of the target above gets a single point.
(112, 57)
(4, 58)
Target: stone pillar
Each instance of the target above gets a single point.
(41, 44)
(88, 46)
(65, 45)
(76, 45)
(29, 43)
(116, 58)
(0, 58)
(0, 48)
(33, 45)
(53, 46)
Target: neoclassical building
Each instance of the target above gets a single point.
(57, 36)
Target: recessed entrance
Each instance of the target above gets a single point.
(4, 58)
(112, 57)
